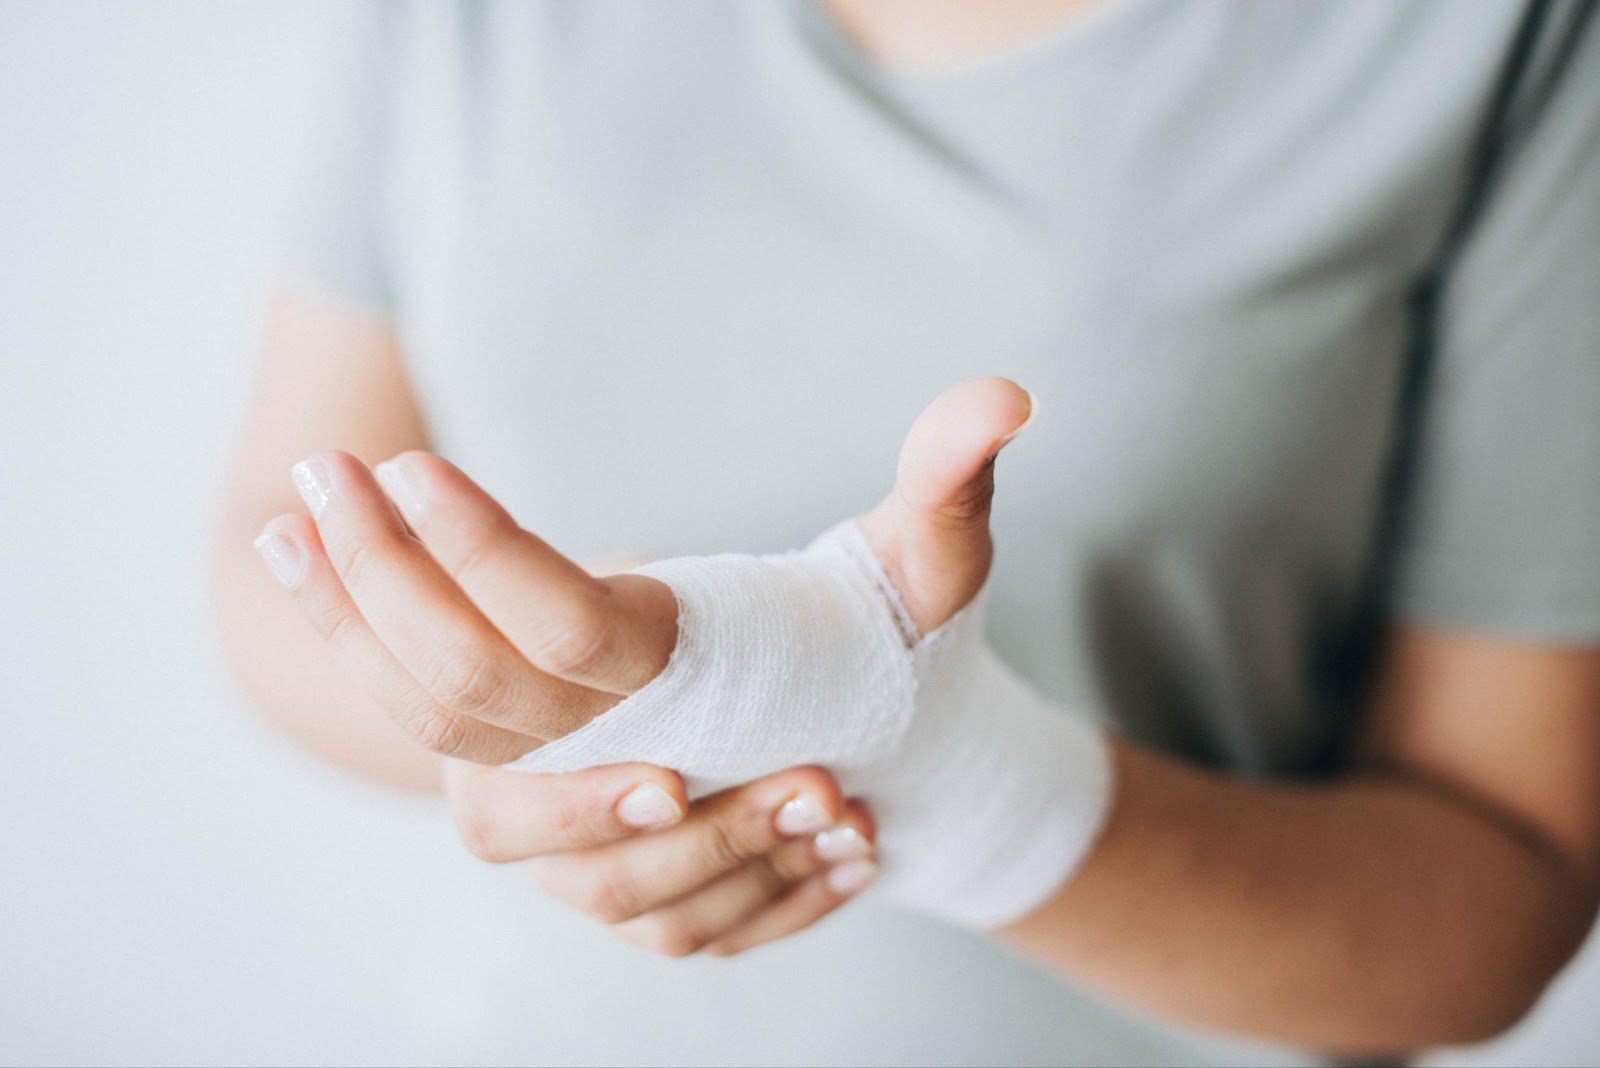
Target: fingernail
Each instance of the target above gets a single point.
(283, 556)
(802, 814)
(400, 482)
(1033, 410)
(842, 843)
(648, 806)
(851, 878)
(311, 478)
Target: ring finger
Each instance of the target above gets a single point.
(293, 549)
(722, 907)
(430, 626)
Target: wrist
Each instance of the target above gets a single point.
(998, 796)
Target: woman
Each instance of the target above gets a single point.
(1309, 514)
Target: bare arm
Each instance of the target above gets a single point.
(1427, 898)
(330, 376)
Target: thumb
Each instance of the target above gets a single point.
(932, 533)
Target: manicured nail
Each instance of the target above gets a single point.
(284, 556)
(648, 806)
(852, 877)
(1033, 410)
(842, 843)
(400, 482)
(802, 814)
(311, 478)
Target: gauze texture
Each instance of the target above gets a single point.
(986, 798)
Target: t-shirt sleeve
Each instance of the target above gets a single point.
(1502, 529)
(331, 238)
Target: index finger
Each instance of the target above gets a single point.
(613, 635)
(326, 604)
(424, 618)
(505, 816)
(724, 831)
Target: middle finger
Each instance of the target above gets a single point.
(619, 881)
(424, 618)
(711, 913)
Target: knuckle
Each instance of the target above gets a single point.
(609, 900)
(439, 731)
(574, 645)
(480, 834)
(577, 823)
(355, 563)
(463, 681)
(788, 863)
(722, 846)
(969, 507)
(666, 935)
(333, 622)
(480, 543)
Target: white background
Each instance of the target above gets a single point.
(177, 884)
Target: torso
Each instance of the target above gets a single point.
(680, 288)
(675, 279)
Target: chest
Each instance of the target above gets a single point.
(718, 281)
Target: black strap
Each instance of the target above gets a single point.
(1539, 53)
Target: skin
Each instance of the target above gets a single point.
(926, 36)
(332, 374)
(1427, 896)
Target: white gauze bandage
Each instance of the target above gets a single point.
(986, 798)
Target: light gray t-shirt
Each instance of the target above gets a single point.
(1312, 348)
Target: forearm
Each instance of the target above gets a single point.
(292, 679)
(1363, 916)
(330, 375)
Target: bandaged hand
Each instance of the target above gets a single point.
(863, 653)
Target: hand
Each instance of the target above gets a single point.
(478, 638)
(482, 641)
(744, 867)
